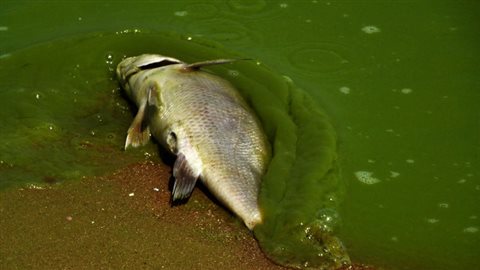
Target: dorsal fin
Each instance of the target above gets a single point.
(198, 65)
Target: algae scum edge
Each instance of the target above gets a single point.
(301, 190)
(301, 201)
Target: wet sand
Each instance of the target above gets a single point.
(122, 221)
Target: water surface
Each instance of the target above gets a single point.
(399, 81)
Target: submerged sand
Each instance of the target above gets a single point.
(122, 221)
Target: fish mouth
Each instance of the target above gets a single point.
(132, 65)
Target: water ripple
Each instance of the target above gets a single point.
(224, 31)
(255, 9)
(248, 7)
(201, 11)
(321, 58)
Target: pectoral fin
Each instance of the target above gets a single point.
(138, 134)
(153, 96)
(185, 178)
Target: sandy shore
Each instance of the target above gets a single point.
(122, 221)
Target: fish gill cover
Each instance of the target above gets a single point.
(300, 192)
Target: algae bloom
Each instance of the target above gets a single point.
(300, 192)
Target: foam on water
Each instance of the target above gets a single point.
(345, 90)
(181, 13)
(366, 177)
(406, 91)
(470, 230)
(371, 29)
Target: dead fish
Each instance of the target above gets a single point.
(204, 121)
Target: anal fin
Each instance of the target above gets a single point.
(138, 134)
(185, 178)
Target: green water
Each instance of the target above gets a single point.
(399, 81)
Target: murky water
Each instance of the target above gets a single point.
(398, 80)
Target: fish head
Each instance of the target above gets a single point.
(131, 70)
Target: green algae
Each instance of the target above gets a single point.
(69, 119)
(302, 189)
(61, 115)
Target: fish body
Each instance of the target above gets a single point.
(203, 120)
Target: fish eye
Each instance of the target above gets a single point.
(164, 62)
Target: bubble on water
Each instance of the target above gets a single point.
(308, 21)
(326, 221)
(345, 90)
(471, 229)
(3, 28)
(233, 73)
(371, 29)
(37, 96)
(181, 13)
(406, 91)
(283, 5)
(128, 31)
(109, 57)
(443, 205)
(394, 174)
(79, 18)
(410, 161)
(366, 177)
(432, 220)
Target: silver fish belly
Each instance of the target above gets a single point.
(203, 120)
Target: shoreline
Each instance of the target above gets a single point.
(123, 220)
